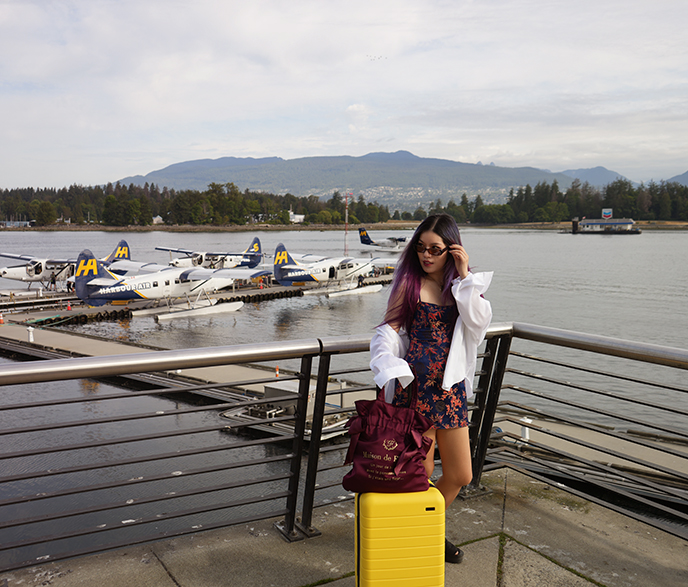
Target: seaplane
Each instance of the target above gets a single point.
(251, 257)
(332, 276)
(39, 270)
(95, 285)
(393, 244)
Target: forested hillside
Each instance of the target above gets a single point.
(399, 180)
(225, 204)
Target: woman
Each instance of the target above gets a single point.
(436, 318)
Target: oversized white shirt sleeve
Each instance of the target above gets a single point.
(475, 315)
(387, 349)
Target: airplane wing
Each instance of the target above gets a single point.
(103, 282)
(201, 273)
(382, 262)
(20, 257)
(377, 261)
(188, 253)
(31, 258)
(173, 250)
(292, 266)
(128, 268)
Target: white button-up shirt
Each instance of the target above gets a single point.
(388, 347)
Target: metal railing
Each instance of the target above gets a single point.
(142, 465)
(122, 473)
(602, 416)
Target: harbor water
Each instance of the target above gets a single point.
(631, 287)
(625, 286)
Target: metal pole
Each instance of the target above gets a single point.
(346, 224)
(287, 527)
(490, 409)
(314, 448)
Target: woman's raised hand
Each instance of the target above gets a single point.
(460, 259)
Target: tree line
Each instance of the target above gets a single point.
(223, 204)
(547, 203)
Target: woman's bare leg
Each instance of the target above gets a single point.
(455, 454)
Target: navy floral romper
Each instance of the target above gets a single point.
(429, 341)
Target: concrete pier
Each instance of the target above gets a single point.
(523, 533)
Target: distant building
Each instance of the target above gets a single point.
(17, 223)
(605, 226)
(296, 218)
(157, 220)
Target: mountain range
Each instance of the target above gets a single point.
(399, 180)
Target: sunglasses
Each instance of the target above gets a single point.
(434, 250)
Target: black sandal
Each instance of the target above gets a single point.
(452, 554)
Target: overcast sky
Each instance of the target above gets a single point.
(95, 90)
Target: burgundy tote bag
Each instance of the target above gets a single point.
(387, 447)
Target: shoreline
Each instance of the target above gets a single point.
(667, 225)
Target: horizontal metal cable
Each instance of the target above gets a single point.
(586, 426)
(145, 415)
(609, 374)
(136, 460)
(150, 520)
(596, 391)
(640, 480)
(141, 501)
(146, 393)
(588, 408)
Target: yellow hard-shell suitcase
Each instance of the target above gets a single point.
(400, 539)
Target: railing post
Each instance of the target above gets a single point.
(490, 407)
(287, 527)
(482, 391)
(314, 448)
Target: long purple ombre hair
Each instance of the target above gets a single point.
(408, 274)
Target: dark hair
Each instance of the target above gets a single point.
(405, 293)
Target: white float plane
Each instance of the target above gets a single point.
(393, 244)
(251, 257)
(332, 273)
(96, 285)
(39, 270)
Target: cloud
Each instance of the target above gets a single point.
(97, 89)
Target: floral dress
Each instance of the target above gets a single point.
(429, 341)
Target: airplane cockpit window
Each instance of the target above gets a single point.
(34, 268)
(197, 259)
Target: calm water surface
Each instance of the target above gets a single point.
(631, 287)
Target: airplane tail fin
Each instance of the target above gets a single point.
(121, 252)
(282, 257)
(255, 252)
(89, 268)
(365, 239)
